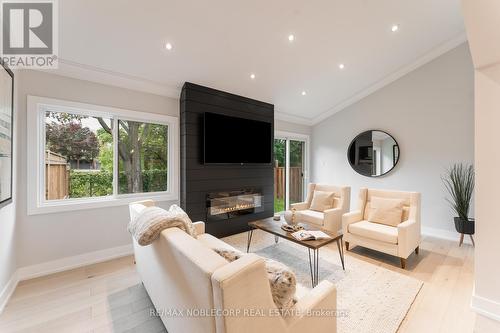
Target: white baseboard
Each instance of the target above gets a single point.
(485, 307)
(8, 290)
(64, 264)
(60, 265)
(444, 234)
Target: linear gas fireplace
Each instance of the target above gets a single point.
(225, 205)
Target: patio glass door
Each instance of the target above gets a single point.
(289, 171)
(296, 170)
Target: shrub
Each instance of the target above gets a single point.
(89, 183)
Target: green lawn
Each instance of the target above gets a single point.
(279, 205)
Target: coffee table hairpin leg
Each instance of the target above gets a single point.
(340, 246)
(249, 238)
(314, 266)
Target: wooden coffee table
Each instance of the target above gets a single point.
(274, 227)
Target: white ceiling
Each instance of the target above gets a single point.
(219, 43)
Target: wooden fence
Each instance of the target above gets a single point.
(296, 183)
(56, 176)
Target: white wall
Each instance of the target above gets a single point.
(54, 236)
(429, 112)
(8, 233)
(482, 21)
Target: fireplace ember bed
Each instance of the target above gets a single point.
(224, 205)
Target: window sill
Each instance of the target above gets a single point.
(58, 206)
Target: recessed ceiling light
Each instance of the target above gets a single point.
(341, 66)
(168, 46)
(252, 76)
(394, 28)
(304, 93)
(291, 38)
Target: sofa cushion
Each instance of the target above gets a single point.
(310, 216)
(214, 243)
(386, 211)
(375, 231)
(322, 201)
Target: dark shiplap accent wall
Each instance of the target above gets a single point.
(198, 179)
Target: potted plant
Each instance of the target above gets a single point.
(459, 182)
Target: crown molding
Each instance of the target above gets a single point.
(424, 59)
(99, 75)
(278, 115)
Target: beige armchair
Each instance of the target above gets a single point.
(330, 219)
(400, 240)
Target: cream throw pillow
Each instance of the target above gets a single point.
(386, 211)
(322, 201)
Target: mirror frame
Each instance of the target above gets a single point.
(375, 176)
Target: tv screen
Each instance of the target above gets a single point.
(236, 140)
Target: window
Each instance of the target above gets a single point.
(85, 156)
(78, 156)
(142, 146)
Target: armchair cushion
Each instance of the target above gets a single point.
(322, 201)
(375, 231)
(311, 216)
(386, 211)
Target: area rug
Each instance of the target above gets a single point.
(370, 298)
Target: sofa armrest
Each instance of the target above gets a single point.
(349, 218)
(199, 227)
(243, 284)
(300, 205)
(408, 237)
(332, 220)
(316, 311)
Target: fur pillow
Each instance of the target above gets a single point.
(229, 255)
(282, 280)
(283, 284)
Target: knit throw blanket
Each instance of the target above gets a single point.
(153, 220)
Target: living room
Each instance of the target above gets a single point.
(162, 163)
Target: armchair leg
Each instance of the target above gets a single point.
(347, 246)
(403, 263)
(417, 249)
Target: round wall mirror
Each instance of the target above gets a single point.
(373, 153)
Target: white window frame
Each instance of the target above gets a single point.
(36, 203)
(287, 136)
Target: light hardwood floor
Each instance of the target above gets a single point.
(102, 297)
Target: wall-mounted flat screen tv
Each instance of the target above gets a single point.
(229, 140)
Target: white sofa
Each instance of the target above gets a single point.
(330, 219)
(398, 241)
(182, 273)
